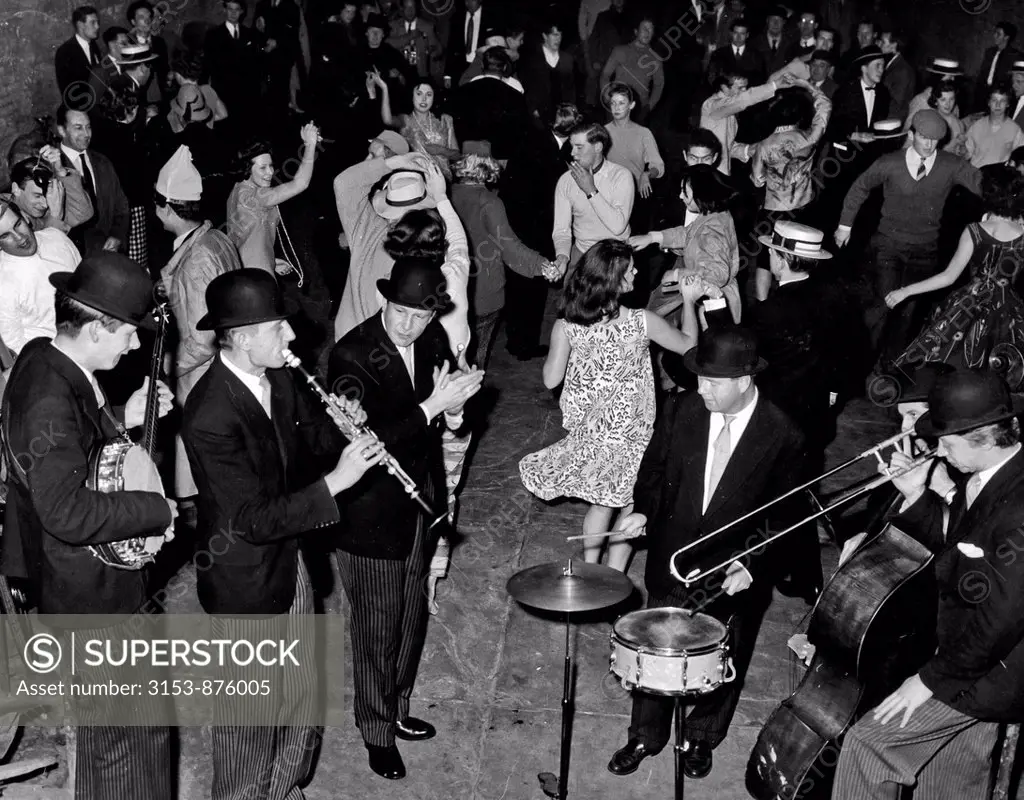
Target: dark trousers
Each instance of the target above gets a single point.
(710, 714)
(524, 311)
(388, 602)
(265, 751)
(896, 264)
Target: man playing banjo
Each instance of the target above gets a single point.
(54, 416)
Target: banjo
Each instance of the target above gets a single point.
(120, 464)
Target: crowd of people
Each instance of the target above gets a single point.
(849, 217)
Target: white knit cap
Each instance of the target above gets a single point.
(179, 179)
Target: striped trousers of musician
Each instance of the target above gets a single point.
(117, 761)
(388, 618)
(941, 752)
(272, 760)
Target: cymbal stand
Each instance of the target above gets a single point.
(552, 785)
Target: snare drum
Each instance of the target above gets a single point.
(665, 651)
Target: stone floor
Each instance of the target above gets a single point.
(491, 674)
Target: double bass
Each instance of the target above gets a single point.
(872, 627)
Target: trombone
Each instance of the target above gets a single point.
(695, 575)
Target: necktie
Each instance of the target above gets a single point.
(469, 35)
(265, 391)
(87, 181)
(920, 170)
(973, 489)
(775, 46)
(408, 27)
(234, 32)
(736, 50)
(720, 458)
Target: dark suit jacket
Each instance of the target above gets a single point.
(379, 518)
(490, 110)
(234, 67)
(52, 424)
(428, 48)
(112, 215)
(259, 489)
(669, 490)
(545, 87)
(456, 63)
(751, 64)
(901, 81)
(72, 67)
(849, 113)
(978, 667)
(981, 87)
(528, 184)
(773, 62)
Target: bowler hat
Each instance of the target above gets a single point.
(729, 352)
(906, 387)
(242, 297)
(416, 283)
(867, 55)
(111, 283)
(966, 399)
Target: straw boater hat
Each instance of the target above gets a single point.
(404, 190)
(945, 66)
(132, 54)
(1017, 66)
(887, 129)
(799, 240)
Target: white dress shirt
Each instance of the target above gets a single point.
(914, 162)
(992, 69)
(410, 26)
(75, 157)
(26, 294)
(551, 56)
(736, 429)
(252, 382)
(869, 100)
(475, 16)
(738, 51)
(84, 44)
(983, 477)
(233, 31)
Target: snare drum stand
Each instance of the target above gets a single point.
(680, 725)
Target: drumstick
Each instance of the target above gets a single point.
(603, 535)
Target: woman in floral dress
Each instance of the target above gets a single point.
(982, 323)
(425, 131)
(600, 350)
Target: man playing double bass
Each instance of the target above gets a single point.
(716, 454)
(975, 678)
(54, 416)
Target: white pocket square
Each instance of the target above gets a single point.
(970, 550)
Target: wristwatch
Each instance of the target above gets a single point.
(591, 194)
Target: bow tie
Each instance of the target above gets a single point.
(868, 88)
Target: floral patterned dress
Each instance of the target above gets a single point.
(608, 410)
(983, 321)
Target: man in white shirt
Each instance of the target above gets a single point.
(27, 259)
(718, 113)
(593, 200)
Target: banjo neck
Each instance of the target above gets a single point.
(148, 442)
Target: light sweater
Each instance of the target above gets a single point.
(987, 145)
(26, 294)
(633, 146)
(582, 221)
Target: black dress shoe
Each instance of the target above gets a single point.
(414, 730)
(627, 760)
(532, 352)
(697, 759)
(386, 762)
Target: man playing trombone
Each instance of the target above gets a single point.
(975, 678)
(716, 455)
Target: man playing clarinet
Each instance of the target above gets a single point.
(254, 440)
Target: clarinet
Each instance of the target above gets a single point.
(352, 430)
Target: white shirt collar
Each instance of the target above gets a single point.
(794, 280)
(986, 475)
(252, 382)
(739, 50)
(181, 239)
(86, 46)
(100, 399)
(914, 160)
(409, 26)
(74, 155)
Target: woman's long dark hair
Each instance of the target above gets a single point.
(418, 234)
(593, 291)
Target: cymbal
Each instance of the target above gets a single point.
(569, 586)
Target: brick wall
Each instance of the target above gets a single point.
(31, 31)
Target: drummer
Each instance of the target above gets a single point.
(716, 454)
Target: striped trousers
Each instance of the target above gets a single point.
(272, 760)
(941, 752)
(388, 618)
